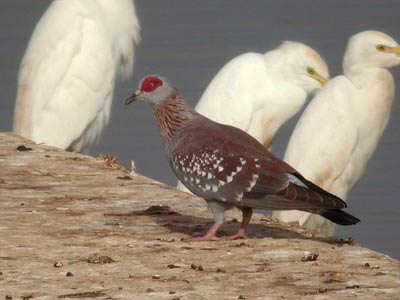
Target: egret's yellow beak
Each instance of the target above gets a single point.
(395, 50)
(319, 78)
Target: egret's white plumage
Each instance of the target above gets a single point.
(67, 76)
(258, 93)
(341, 127)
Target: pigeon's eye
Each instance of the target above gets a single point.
(150, 84)
(311, 71)
(381, 47)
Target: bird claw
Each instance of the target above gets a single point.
(238, 236)
(206, 238)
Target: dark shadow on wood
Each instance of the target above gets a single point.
(192, 225)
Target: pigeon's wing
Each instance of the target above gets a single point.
(278, 184)
(213, 162)
(223, 163)
(296, 193)
(66, 78)
(299, 194)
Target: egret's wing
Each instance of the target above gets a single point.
(66, 77)
(324, 139)
(230, 97)
(264, 125)
(279, 103)
(260, 126)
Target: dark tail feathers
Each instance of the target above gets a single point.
(338, 216)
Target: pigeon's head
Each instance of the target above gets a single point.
(299, 64)
(153, 89)
(371, 49)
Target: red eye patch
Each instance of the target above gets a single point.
(150, 84)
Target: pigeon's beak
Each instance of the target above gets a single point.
(133, 97)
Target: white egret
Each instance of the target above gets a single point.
(67, 75)
(258, 93)
(341, 127)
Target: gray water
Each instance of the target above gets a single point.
(189, 41)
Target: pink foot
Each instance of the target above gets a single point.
(209, 236)
(240, 235)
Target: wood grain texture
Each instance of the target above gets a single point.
(57, 206)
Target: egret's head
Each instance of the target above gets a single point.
(302, 65)
(153, 89)
(371, 49)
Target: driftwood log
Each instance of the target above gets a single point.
(74, 226)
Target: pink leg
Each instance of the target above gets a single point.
(241, 234)
(218, 210)
(209, 236)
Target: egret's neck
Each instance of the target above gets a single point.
(374, 93)
(370, 78)
(274, 62)
(118, 15)
(121, 23)
(172, 115)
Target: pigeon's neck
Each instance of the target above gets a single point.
(172, 115)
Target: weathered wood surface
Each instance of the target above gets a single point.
(63, 207)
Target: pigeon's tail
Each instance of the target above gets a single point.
(338, 216)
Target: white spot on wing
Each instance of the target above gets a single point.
(229, 179)
(215, 188)
(252, 183)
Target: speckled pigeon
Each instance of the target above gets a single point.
(227, 167)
